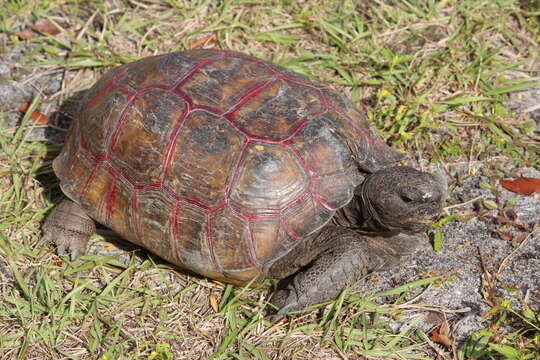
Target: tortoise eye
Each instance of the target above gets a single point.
(406, 199)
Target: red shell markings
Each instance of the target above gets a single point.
(179, 153)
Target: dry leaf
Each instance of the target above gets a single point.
(108, 246)
(439, 334)
(522, 185)
(26, 35)
(45, 26)
(57, 262)
(511, 214)
(505, 235)
(203, 42)
(36, 116)
(214, 303)
(520, 238)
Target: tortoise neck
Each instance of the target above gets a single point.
(359, 214)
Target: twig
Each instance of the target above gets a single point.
(464, 203)
(341, 354)
(86, 25)
(505, 260)
(487, 284)
(532, 108)
(434, 308)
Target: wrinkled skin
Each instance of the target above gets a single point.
(398, 199)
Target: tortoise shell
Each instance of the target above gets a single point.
(214, 160)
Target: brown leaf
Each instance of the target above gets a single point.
(439, 334)
(520, 238)
(505, 235)
(203, 42)
(57, 262)
(36, 116)
(45, 26)
(511, 214)
(26, 34)
(501, 219)
(522, 185)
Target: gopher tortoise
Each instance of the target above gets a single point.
(239, 170)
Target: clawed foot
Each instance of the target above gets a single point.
(69, 228)
(66, 243)
(285, 301)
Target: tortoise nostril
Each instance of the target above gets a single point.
(431, 197)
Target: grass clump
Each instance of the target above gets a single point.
(512, 333)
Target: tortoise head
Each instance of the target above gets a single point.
(401, 199)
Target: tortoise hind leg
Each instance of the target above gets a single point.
(352, 256)
(69, 228)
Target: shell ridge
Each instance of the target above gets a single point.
(191, 72)
(251, 245)
(110, 199)
(110, 84)
(172, 141)
(174, 231)
(209, 243)
(111, 141)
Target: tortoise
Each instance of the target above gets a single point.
(238, 169)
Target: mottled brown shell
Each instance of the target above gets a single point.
(216, 161)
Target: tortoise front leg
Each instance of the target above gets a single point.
(352, 256)
(69, 228)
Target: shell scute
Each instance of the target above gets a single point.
(203, 158)
(154, 210)
(64, 162)
(191, 242)
(306, 216)
(265, 232)
(276, 110)
(100, 116)
(142, 141)
(231, 241)
(117, 209)
(76, 181)
(163, 71)
(223, 84)
(102, 86)
(269, 177)
(337, 190)
(97, 184)
(323, 148)
(370, 152)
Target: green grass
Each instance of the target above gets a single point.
(511, 335)
(435, 74)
